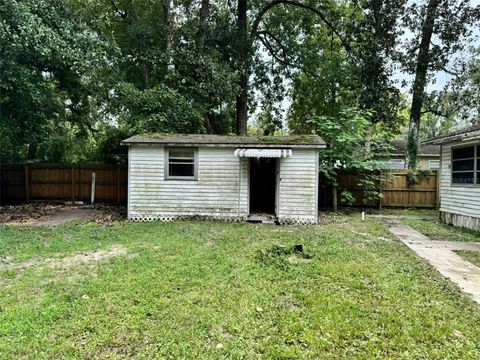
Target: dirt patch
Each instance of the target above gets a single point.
(83, 258)
(46, 214)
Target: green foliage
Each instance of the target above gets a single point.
(350, 139)
(411, 178)
(47, 66)
(157, 109)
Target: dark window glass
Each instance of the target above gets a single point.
(478, 177)
(462, 178)
(181, 162)
(463, 165)
(181, 170)
(463, 153)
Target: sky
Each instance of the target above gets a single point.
(441, 78)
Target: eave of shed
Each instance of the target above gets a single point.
(294, 141)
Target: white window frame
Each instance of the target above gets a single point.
(430, 164)
(476, 160)
(394, 161)
(194, 162)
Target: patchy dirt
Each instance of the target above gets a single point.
(83, 258)
(48, 214)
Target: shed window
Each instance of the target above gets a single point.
(466, 165)
(181, 163)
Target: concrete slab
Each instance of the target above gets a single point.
(440, 255)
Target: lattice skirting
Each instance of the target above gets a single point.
(167, 217)
(297, 221)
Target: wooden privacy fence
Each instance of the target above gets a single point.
(20, 183)
(394, 186)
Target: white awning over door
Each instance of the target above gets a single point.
(263, 153)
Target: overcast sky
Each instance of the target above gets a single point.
(441, 78)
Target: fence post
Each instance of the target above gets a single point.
(380, 190)
(73, 185)
(27, 184)
(118, 185)
(335, 199)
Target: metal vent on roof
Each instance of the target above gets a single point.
(263, 153)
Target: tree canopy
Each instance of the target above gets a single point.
(79, 75)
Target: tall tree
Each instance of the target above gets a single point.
(243, 59)
(443, 30)
(420, 82)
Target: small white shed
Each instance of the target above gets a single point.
(460, 177)
(233, 178)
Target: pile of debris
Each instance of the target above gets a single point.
(40, 213)
(110, 214)
(25, 213)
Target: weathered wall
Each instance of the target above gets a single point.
(460, 220)
(298, 200)
(456, 199)
(222, 188)
(219, 192)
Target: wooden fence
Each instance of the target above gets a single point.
(394, 187)
(62, 182)
(74, 183)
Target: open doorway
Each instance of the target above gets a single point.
(262, 185)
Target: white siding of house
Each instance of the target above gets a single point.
(298, 192)
(456, 199)
(221, 190)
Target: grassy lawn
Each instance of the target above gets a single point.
(471, 256)
(439, 231)
(402, 211)
(212, 290)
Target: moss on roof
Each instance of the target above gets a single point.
(297, 140)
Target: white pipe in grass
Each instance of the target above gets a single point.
(363, 215)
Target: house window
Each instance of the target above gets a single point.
(394, 164)
(434, 164)
(181, 163)
(466, 165)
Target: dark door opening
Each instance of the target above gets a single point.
(262, 185)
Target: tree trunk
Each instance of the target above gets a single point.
(242, 98)
(202, 24)
(420, 83)
(201, 36)
(168, 23)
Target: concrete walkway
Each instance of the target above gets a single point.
(440, 255)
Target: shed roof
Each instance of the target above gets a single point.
(400, 148)
(298, 141)
(462, 134)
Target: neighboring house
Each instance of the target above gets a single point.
(428, 158)
(223, 177)
(460, 177)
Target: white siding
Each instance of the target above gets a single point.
(220, 191)
(457, 199)
(298, 191)
(222, 188)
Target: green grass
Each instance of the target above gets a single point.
(403, 212)
(183, 288)
(470, 255)
(439, 231)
